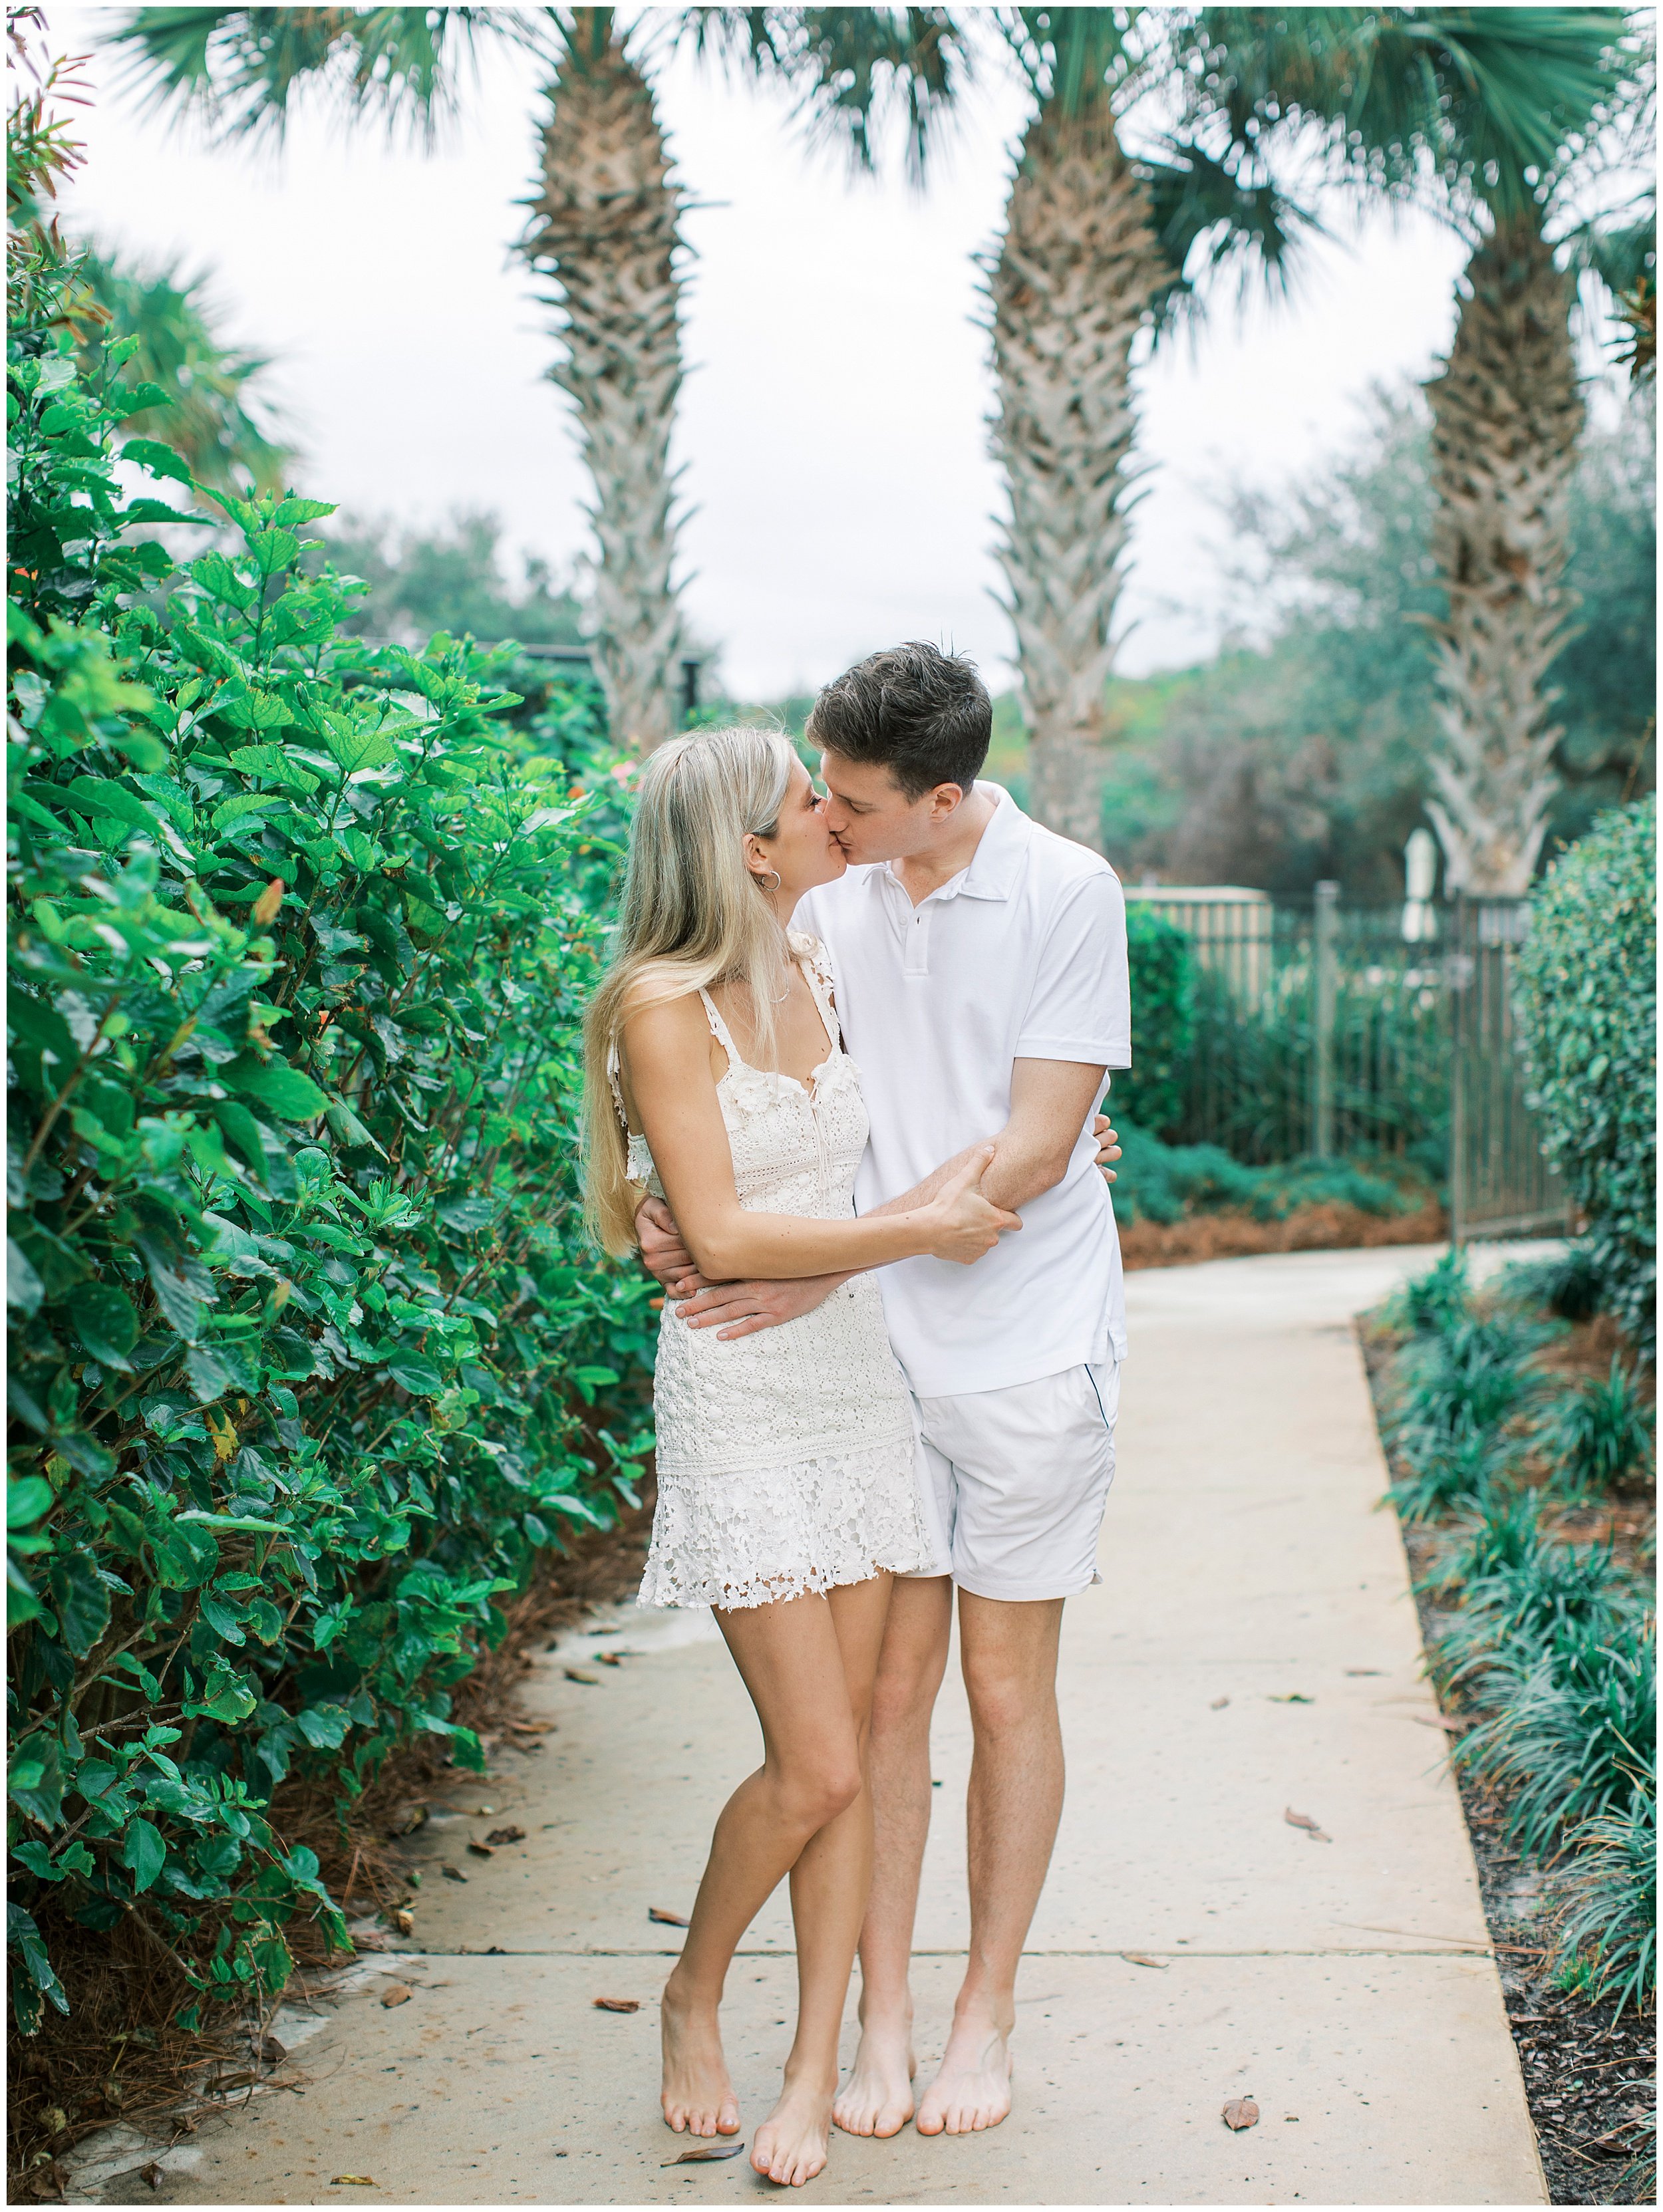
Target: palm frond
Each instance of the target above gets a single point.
(853, 70)
(1079, 60)
(1207, 213)
(243, 67)
(1495, 100)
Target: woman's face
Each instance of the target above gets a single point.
(802, 850)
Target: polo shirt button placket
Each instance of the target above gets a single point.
(918, 942)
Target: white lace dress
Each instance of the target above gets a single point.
(786, 1460)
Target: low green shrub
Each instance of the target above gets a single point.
(1434, 1302)
(1542, 1587)
(1447, 1474)
(1161, 1182)
(1569, 1284)
(1605, 1941)
(1469, 1380)
(1596, 1433)
(1570, 1727)
(310, 1358)
(1586, 1002)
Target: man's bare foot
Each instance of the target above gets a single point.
(792, 2143)
(877, 2100)
(699, 2096)
(973, 2089)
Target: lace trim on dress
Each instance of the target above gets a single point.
(798, 1528)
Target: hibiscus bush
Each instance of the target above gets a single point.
(310, 1358)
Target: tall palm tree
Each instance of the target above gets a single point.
(604, 228)
(1485, 113)
(1095, 250)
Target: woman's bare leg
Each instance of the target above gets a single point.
(796, 1658)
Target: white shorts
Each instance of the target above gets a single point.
(1015, 1482)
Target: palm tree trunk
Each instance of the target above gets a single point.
(1070, 288)
(604, 225)
(1507, 413)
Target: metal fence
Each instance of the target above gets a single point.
(1325, 1029)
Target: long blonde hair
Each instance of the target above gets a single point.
(692, 914)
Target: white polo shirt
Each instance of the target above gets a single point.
(1022, 956)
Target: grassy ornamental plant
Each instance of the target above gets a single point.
(309, 1358)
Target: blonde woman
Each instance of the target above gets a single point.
(787, 1484)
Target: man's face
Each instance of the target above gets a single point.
(872, 818)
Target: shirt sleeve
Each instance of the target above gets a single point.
(1081, 1007)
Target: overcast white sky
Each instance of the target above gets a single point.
(833, 423)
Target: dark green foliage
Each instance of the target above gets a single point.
(1467, 1379)
(1444, 1473)
(212, 415)
(1540, 1588)
(1569, 1283)
(1588, 982)
(1606, 1940)
(1151, 1092)
(1571, 1726)
(310, 1359)
(1161, 1182)
(1433, 1304)
(1598, 1433)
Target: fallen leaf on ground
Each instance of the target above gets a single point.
(480, 1850)
(395, 1993)
(576, 1675)
(666, 1919)
(270, 2052)
(151, 2175)
(1451, 1726)
(1290, 1697)
(407, 1820)
(1219, 1703)
(352, 2181)
(617, 2004)
(48, 2181)
(704, 2155)
(404, 1921)
(611, 1658)
(1365, 1670)
(533, 1728)
(495, 1951)
(452, 1874)
(1240, 2113)
(1317, 1833)
(1143, 1959)
(506, 1836)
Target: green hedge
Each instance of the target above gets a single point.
(309, 1358)
(1586, 1003)
(1152, 1090)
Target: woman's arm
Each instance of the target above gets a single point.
(666, 1049)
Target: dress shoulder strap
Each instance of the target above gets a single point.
(617, 1088)
(719, 1031)
(816, 963)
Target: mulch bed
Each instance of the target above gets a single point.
(1589, 2077)
(1234, 1234)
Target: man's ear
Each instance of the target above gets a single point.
(945, 799)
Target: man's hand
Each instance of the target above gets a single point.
(741, 1309)
(663, 1251)
(1108, 1145)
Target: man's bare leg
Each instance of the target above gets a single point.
(1009, 1655)
(877, 2100)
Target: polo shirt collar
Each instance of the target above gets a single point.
(997, 860)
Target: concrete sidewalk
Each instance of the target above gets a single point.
(1253, 1651)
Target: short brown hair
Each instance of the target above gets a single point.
(923, 714)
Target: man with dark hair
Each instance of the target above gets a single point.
(981, 985)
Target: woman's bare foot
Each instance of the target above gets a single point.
(699, 2096)
(973, 2089)
(792, 2143)
(877, 2100)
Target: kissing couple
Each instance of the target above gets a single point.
(842, 1071)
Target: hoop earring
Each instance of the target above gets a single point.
(774, 885)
